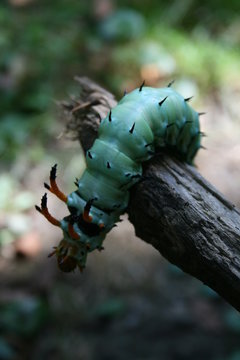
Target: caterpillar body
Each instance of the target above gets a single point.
(145, 119)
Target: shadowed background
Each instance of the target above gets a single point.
(129, 303)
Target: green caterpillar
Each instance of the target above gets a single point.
(145, 119)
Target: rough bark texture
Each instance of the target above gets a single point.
(173, 208)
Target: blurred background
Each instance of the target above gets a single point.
(129, 303)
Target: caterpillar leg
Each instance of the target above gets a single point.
(71, 231)
(87, 218)
(44, 211)
(53, 185)
(86, 213)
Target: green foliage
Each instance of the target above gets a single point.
(20, 319)
(23, 317)
(38, 48)
(123, 25)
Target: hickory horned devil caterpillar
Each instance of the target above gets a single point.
(143, 120)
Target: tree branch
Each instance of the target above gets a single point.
(173, 208)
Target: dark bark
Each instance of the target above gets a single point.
(173, 208)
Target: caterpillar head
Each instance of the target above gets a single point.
(70, 256)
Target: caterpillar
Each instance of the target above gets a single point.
(143, 120)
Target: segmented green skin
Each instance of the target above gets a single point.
(144, 119)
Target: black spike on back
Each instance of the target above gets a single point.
(46, 186)
(132, 128)
(108, 165)
(162, 101)
(53, 172)
(201, 113)
(125, 92)
(188, 99)
(88, 205)
(171, 82)
(110, 116)
(89, 155)
(44, 201)
(140, 89)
